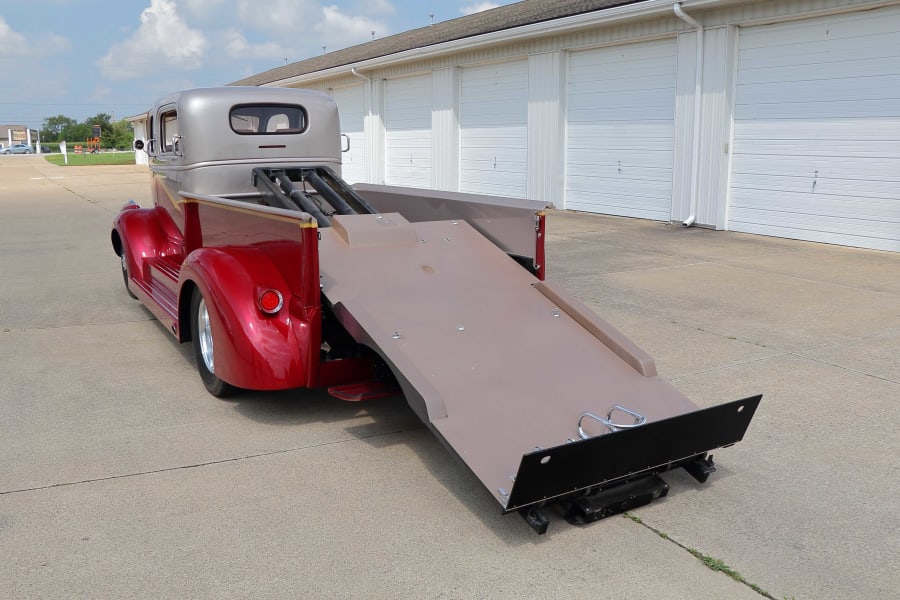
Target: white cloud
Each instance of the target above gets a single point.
(228, 37)
(296, 29)
(276, 18)
(339, 30)
(13, 43)
(163, 40)
(103, 94)
(237, 46)
(201, 10)
(476, 8)
(374, 7)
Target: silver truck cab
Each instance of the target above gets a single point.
(207, 140)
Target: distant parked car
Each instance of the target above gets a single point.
(46, 149)
(18, 149)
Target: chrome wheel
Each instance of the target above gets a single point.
(202, 340)
(204, 336)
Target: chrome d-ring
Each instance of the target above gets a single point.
(608, 422)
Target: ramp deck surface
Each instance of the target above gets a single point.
(485, 356)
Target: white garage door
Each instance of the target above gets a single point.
(407, 135)
(493, 129)
(352, 110)
(620, 130)
(817, 130)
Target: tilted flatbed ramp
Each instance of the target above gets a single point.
(503, 367)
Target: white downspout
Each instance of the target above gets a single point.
(368, 125)
(698, 100)
(360, 75)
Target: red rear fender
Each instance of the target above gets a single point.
(254, 350)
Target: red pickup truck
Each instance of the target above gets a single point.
(283, 276)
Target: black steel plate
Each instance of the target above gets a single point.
(650, 448)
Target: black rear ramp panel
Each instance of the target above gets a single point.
(630, 455)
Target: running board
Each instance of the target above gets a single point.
(604, 461)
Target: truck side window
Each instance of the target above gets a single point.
(268, 119)
(169, 123)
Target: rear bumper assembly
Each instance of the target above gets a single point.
(600, 476)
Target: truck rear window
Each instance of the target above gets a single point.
(266, 119)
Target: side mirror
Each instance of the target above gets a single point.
(138, 145)
(176, 144)
(345, 143)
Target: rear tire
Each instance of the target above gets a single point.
(202, 340)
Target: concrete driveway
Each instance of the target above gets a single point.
(121, 477)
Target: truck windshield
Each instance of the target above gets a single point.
(265, 119)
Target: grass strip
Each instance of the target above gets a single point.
(711, 562)
(101, 158)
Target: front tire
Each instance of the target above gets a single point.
(124, 262)
(202, 340)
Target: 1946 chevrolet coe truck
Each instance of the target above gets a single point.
(283, 276)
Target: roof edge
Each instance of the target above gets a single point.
(598, 17)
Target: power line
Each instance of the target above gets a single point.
(73, 103)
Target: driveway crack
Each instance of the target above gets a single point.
(200, 464)
(708, 561)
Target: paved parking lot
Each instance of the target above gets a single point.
(121, 477)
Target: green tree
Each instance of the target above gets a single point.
(104, 121)
(78, 133)
(113, 134)
(122, 135)
(53, 128)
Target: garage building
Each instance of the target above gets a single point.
(771, 117)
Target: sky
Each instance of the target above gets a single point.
(80, 58)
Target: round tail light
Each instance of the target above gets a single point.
(270, 301)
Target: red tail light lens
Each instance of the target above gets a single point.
(270, 301)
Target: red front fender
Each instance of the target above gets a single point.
(254, 350)
(139, 233)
